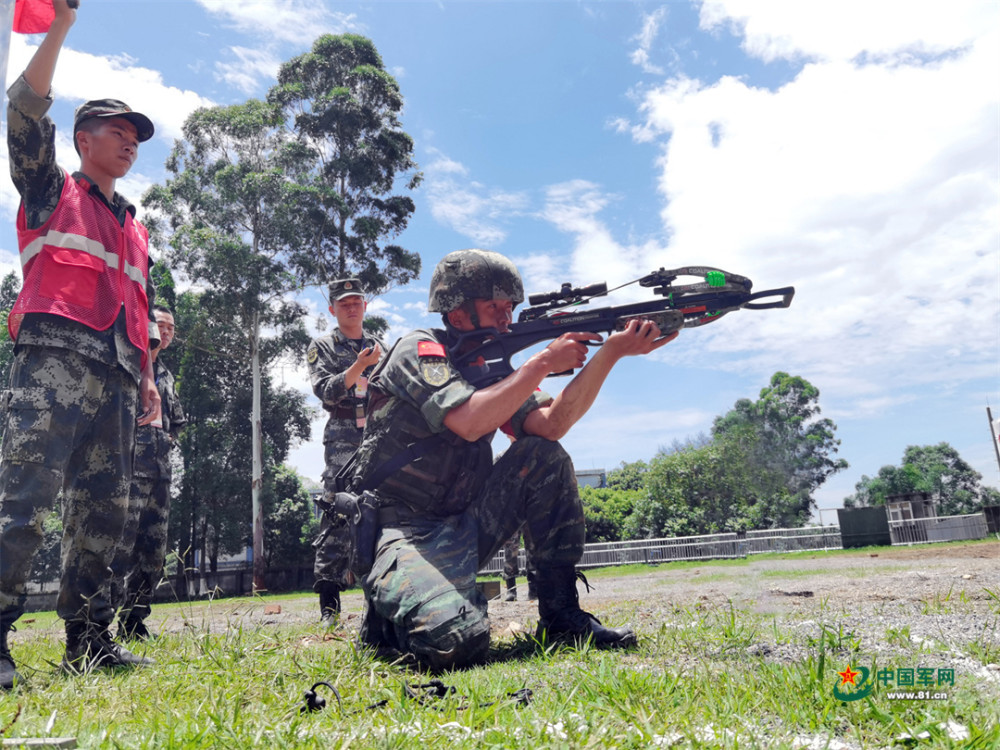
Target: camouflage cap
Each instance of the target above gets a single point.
(345, 288)
(113, 108)
(473, 274)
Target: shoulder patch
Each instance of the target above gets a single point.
(430, 349)
(312, 355)
(435, 372)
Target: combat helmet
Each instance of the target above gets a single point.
(473, 274)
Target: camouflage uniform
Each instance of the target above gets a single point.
(139, 559)
(445, 514)
(70, 409)
(328, 358)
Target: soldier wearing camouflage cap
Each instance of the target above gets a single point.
(447, 508)
(339, 364)
(82, 326)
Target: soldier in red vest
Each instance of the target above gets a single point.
(82, 326)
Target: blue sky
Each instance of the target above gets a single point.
(850, 149)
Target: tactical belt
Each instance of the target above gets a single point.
(344, 412)
(394, 516)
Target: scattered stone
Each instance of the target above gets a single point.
(272, 609)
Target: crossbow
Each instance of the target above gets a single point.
(553, 314)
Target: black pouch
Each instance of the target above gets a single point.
(361, 513)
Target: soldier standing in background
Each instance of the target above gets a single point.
(511, 550)
(139, 560)
(339, 365)
(82, 327)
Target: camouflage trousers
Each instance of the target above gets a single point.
(421, 593)
(138, 563)
(332, 562)
(70, 424)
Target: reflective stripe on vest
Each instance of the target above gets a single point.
(79, 242)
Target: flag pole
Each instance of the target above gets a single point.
(6, 24)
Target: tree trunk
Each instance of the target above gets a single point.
(257, 480)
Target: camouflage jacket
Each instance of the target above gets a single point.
(170, 406)
(328, 358)
(39, 181)
(152, 442)
(413, 389)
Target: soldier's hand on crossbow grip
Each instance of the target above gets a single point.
(569, 351)
(639, 337)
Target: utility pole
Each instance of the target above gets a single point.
(994, 438)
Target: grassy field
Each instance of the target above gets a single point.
(706, 674)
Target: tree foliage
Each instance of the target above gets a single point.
(345, 111)
(230, 208)
(606, 511)
(953, 485)
(759, 469)
(214, 497)
(9, 287)
(256, 209)
(291, 524)
(784, 437)
(628, 476)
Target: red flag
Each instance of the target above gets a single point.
(33, 16)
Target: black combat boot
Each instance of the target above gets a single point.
(133, 629)
(532, 594)
(89, 646)
(8, 670)
(561, 619)
(329, 603)
(511, 595)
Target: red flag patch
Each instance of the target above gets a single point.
(430, 349)
(33, 16)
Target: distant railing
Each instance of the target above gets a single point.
(705, 547)
(940, 529)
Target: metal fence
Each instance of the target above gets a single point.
(705, 547)
(940, 529)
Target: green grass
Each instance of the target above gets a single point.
(697, 680)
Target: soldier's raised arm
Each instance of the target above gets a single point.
(42, 65)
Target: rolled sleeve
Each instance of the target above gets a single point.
(537, 400)
(22, 98)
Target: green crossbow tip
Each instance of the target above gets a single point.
(715, 278)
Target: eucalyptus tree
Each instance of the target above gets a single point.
(344, 108)
(784, 438)
(229, 214)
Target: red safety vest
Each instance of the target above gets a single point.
(82, 265)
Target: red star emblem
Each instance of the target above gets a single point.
(847, 676)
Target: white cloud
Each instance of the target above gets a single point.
(468, 207)
(872, 186)
(275, 23)
(288, 21)
(250, 67)
(788, 29)
(646, 37)
(81, 76)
